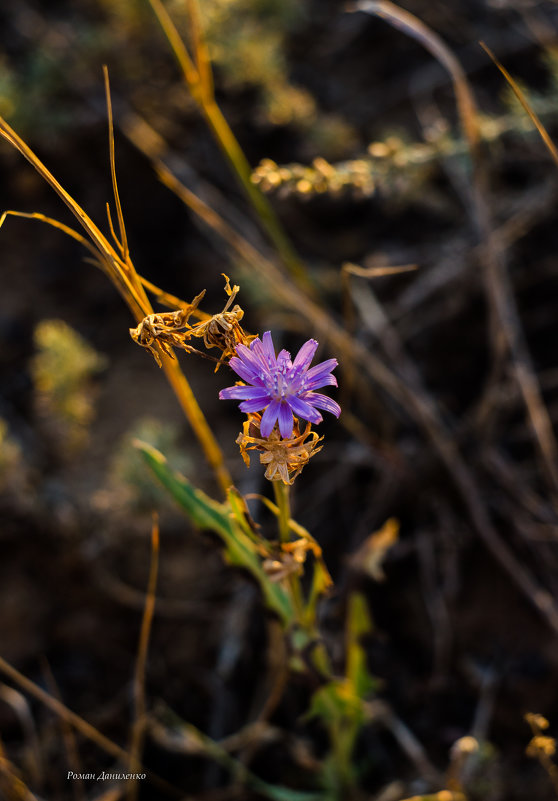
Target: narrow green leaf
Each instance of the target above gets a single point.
(207, 513)
(359, 624)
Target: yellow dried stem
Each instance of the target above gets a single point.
(124, 276)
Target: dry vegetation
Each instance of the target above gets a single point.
(389, 190)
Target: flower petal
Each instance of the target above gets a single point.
(285, 420)
(250, 358)
(326, 380)
(320, 401)
(245, 371)
(244, 393)
(264, 351)
(269, 348)
(284, 359)
(320, 375)
(269, 418)
(303, 409)
(254, 405)
(305, 355)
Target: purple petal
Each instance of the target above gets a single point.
(320, 375)
(326, 380)
(284, 359)
(303, 409)
(285, 420)
(244, 393)
(250, 357)
(269, 348)
(305, 355)
(269, 418)
(254, 405)
(245, 371)
(264, 351)
(320, 401)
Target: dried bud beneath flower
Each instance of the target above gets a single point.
(284, 458)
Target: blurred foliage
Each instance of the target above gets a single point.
(340, 704)
(247, 40)
(249, 44)
(395, 167)
(11, 461)
(62, 372)
(130, 479)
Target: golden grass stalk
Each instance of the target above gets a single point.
(138, 729)
(199, 80)
(535, 119)
(82, 726)
(116, 263)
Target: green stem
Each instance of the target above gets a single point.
(235, 155)
(281, 491)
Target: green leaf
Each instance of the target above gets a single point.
(359, 624)
(222, 518)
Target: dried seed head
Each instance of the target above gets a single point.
(284, 458)
(288, 559)
(165, 330)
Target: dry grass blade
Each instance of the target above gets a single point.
(376, 272)
(105, 252)
(171, 301)
(69, 738)
(200, 85)
(201, 50)
(416, 29)
(81, 725)
(60, 709)
(178, 46)
(32, 752)
(55, 224)
(551, 147)
(12, 788)
(123, 243)
(138, 729)
(506, 327)
(122, 273)
(347, 270)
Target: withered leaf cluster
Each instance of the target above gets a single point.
(284, 458)
(170, 330)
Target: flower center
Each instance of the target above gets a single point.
(279, 384)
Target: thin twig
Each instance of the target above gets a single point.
(138, 728)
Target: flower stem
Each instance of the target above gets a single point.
(281, 491)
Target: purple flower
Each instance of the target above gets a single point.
(280, 386)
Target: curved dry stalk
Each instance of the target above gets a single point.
(415, 28)
(533, 116)
(138, 728)
(198, 79)
(86, 729)
(122, 273)
(505, 320)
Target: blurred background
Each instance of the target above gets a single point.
(351, 129)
